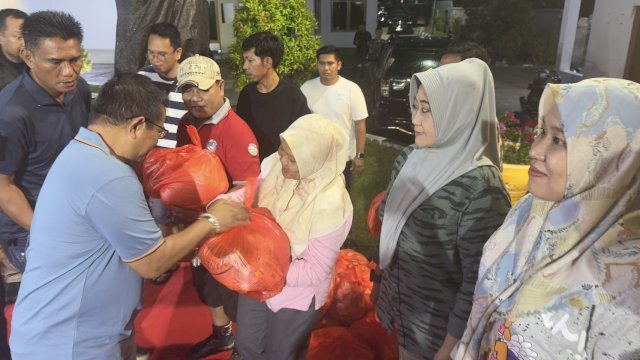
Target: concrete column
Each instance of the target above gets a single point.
(567, 39)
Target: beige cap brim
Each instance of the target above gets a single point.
(200, 82)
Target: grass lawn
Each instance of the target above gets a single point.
(95, 88)
(375, 179)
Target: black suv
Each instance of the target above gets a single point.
(401, 57)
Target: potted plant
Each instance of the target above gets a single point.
(517, 136)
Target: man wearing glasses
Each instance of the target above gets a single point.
(163, 52)
(162, 132)
(93, 238)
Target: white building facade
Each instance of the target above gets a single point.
(612, 43)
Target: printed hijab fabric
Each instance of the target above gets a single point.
(584, 249)
(462, 102)
(318, 203)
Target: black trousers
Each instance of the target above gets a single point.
(348, 176)
(214, 294)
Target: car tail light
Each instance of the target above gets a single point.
(384, 87)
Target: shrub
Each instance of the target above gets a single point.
(505, 27)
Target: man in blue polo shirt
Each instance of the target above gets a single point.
(93, 237)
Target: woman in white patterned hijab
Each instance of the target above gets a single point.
(560, 278)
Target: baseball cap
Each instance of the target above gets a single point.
(200, 71)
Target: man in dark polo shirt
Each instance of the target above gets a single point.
(11, 44)
(40, 112)
(11, 66)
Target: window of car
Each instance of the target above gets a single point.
(408, 61)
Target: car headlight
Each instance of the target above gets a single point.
(398, 85)
(429, 64)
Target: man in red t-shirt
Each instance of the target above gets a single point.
(223, 132)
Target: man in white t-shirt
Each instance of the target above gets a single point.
(341, 101)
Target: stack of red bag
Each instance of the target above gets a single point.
(336, 342)
(251, 259)
(369, 330)
(187, 177)
(348, 328)
(349, 295)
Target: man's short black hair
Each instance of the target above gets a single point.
(329, 50)
(265, 44)
(168, 31)
(49, 24)
(127, 96)
(466, 50)
(6, 13)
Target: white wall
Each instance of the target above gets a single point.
(226, 28)
(609, 39)
(98, 19)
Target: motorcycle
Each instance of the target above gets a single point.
(529, 104)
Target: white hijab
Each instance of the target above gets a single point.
(462, 102)
(318, 203)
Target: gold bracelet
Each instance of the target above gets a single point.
(212, 220)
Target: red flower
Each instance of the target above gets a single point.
(531, 123)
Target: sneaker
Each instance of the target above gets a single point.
(235, 355)
(142, 353)
(213, 344)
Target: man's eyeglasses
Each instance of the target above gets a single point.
(162, 132)
(160, 55)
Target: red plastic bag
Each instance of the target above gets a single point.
(251, 259)
(348, 298)
(373, 220)
(187, 177)
(369, 330)
(336, 342)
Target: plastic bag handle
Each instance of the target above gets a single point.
(250, 193)
(194, 136)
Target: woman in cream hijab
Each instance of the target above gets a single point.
(445, 199)
(305, 192)
(560, 278)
